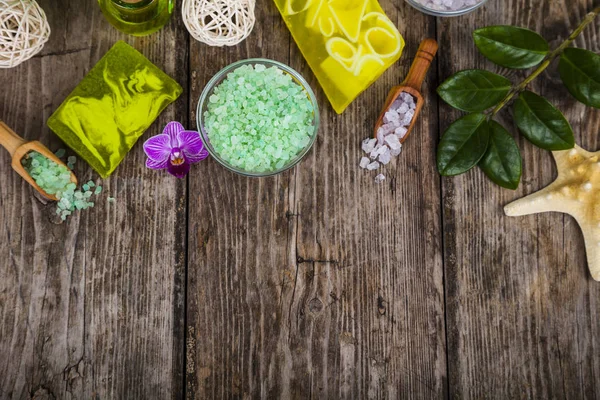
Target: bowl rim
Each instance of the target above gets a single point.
(217, 78)
(437, 13)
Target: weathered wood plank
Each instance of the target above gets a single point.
(314, 283)
(522, 310)
(318, 282)
(91, 308)
(239, 264)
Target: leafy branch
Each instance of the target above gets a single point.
(478, 140)
(557, 52)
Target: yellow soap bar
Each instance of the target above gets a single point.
(347, 43)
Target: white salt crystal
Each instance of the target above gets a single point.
(383, 149)
(401, 132)
(389, 128)
(375, 153)
(373, 166)
(396, 152)
(391, 116)
(448, 5)
(380, 136)
(393, 142)
(387, 143)
(385, 158)
(364, 162)
(368, 144)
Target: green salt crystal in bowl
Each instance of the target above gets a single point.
(258, 117)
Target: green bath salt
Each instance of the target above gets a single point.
(55, 179)
(259, 119)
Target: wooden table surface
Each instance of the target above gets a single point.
(316, 283)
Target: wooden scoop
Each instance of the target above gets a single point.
(18, 148)
(413, 82)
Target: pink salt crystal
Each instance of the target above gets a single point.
(385, 158)
(393, 142)
(387, 143)
(373, 166)
(383, 149)
(390, 128)
(400, 132)
(380, 136)
(374, 153)
(369, 144)
(364, 162)
(392, 115)
(407, 97)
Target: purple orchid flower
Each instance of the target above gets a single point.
(175, 149)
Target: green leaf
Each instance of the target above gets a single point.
(541, 123)
(510, 46)
(463, 144)
(580, 72)
(474, 90)
(502, 161)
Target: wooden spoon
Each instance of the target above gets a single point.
(18, 148)
(412, 84)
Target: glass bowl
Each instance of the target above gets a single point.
(219, 77)
(438, 13)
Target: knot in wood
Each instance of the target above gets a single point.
(315, 306)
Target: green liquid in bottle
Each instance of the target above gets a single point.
(137, 17)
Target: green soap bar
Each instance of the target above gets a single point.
(112, 106)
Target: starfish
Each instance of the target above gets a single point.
(576, 192)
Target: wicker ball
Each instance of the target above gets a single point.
(219, 22)
(24, 30)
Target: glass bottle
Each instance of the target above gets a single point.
(137, 17)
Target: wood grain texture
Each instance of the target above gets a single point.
(91, 308)
(522, 310)
(318, 283)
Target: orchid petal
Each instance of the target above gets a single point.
(172, 129)
(194, 158)
(158, 147)
(192, 147)
(179, 171)
(152, 164)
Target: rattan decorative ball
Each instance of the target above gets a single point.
(24, 30)
(219, 22)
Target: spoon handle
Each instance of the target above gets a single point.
(9, 139)
(418, 70)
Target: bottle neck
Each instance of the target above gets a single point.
(132, 4)
(136, 11)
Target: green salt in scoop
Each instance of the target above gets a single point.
(112, 107)
(55, 179)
